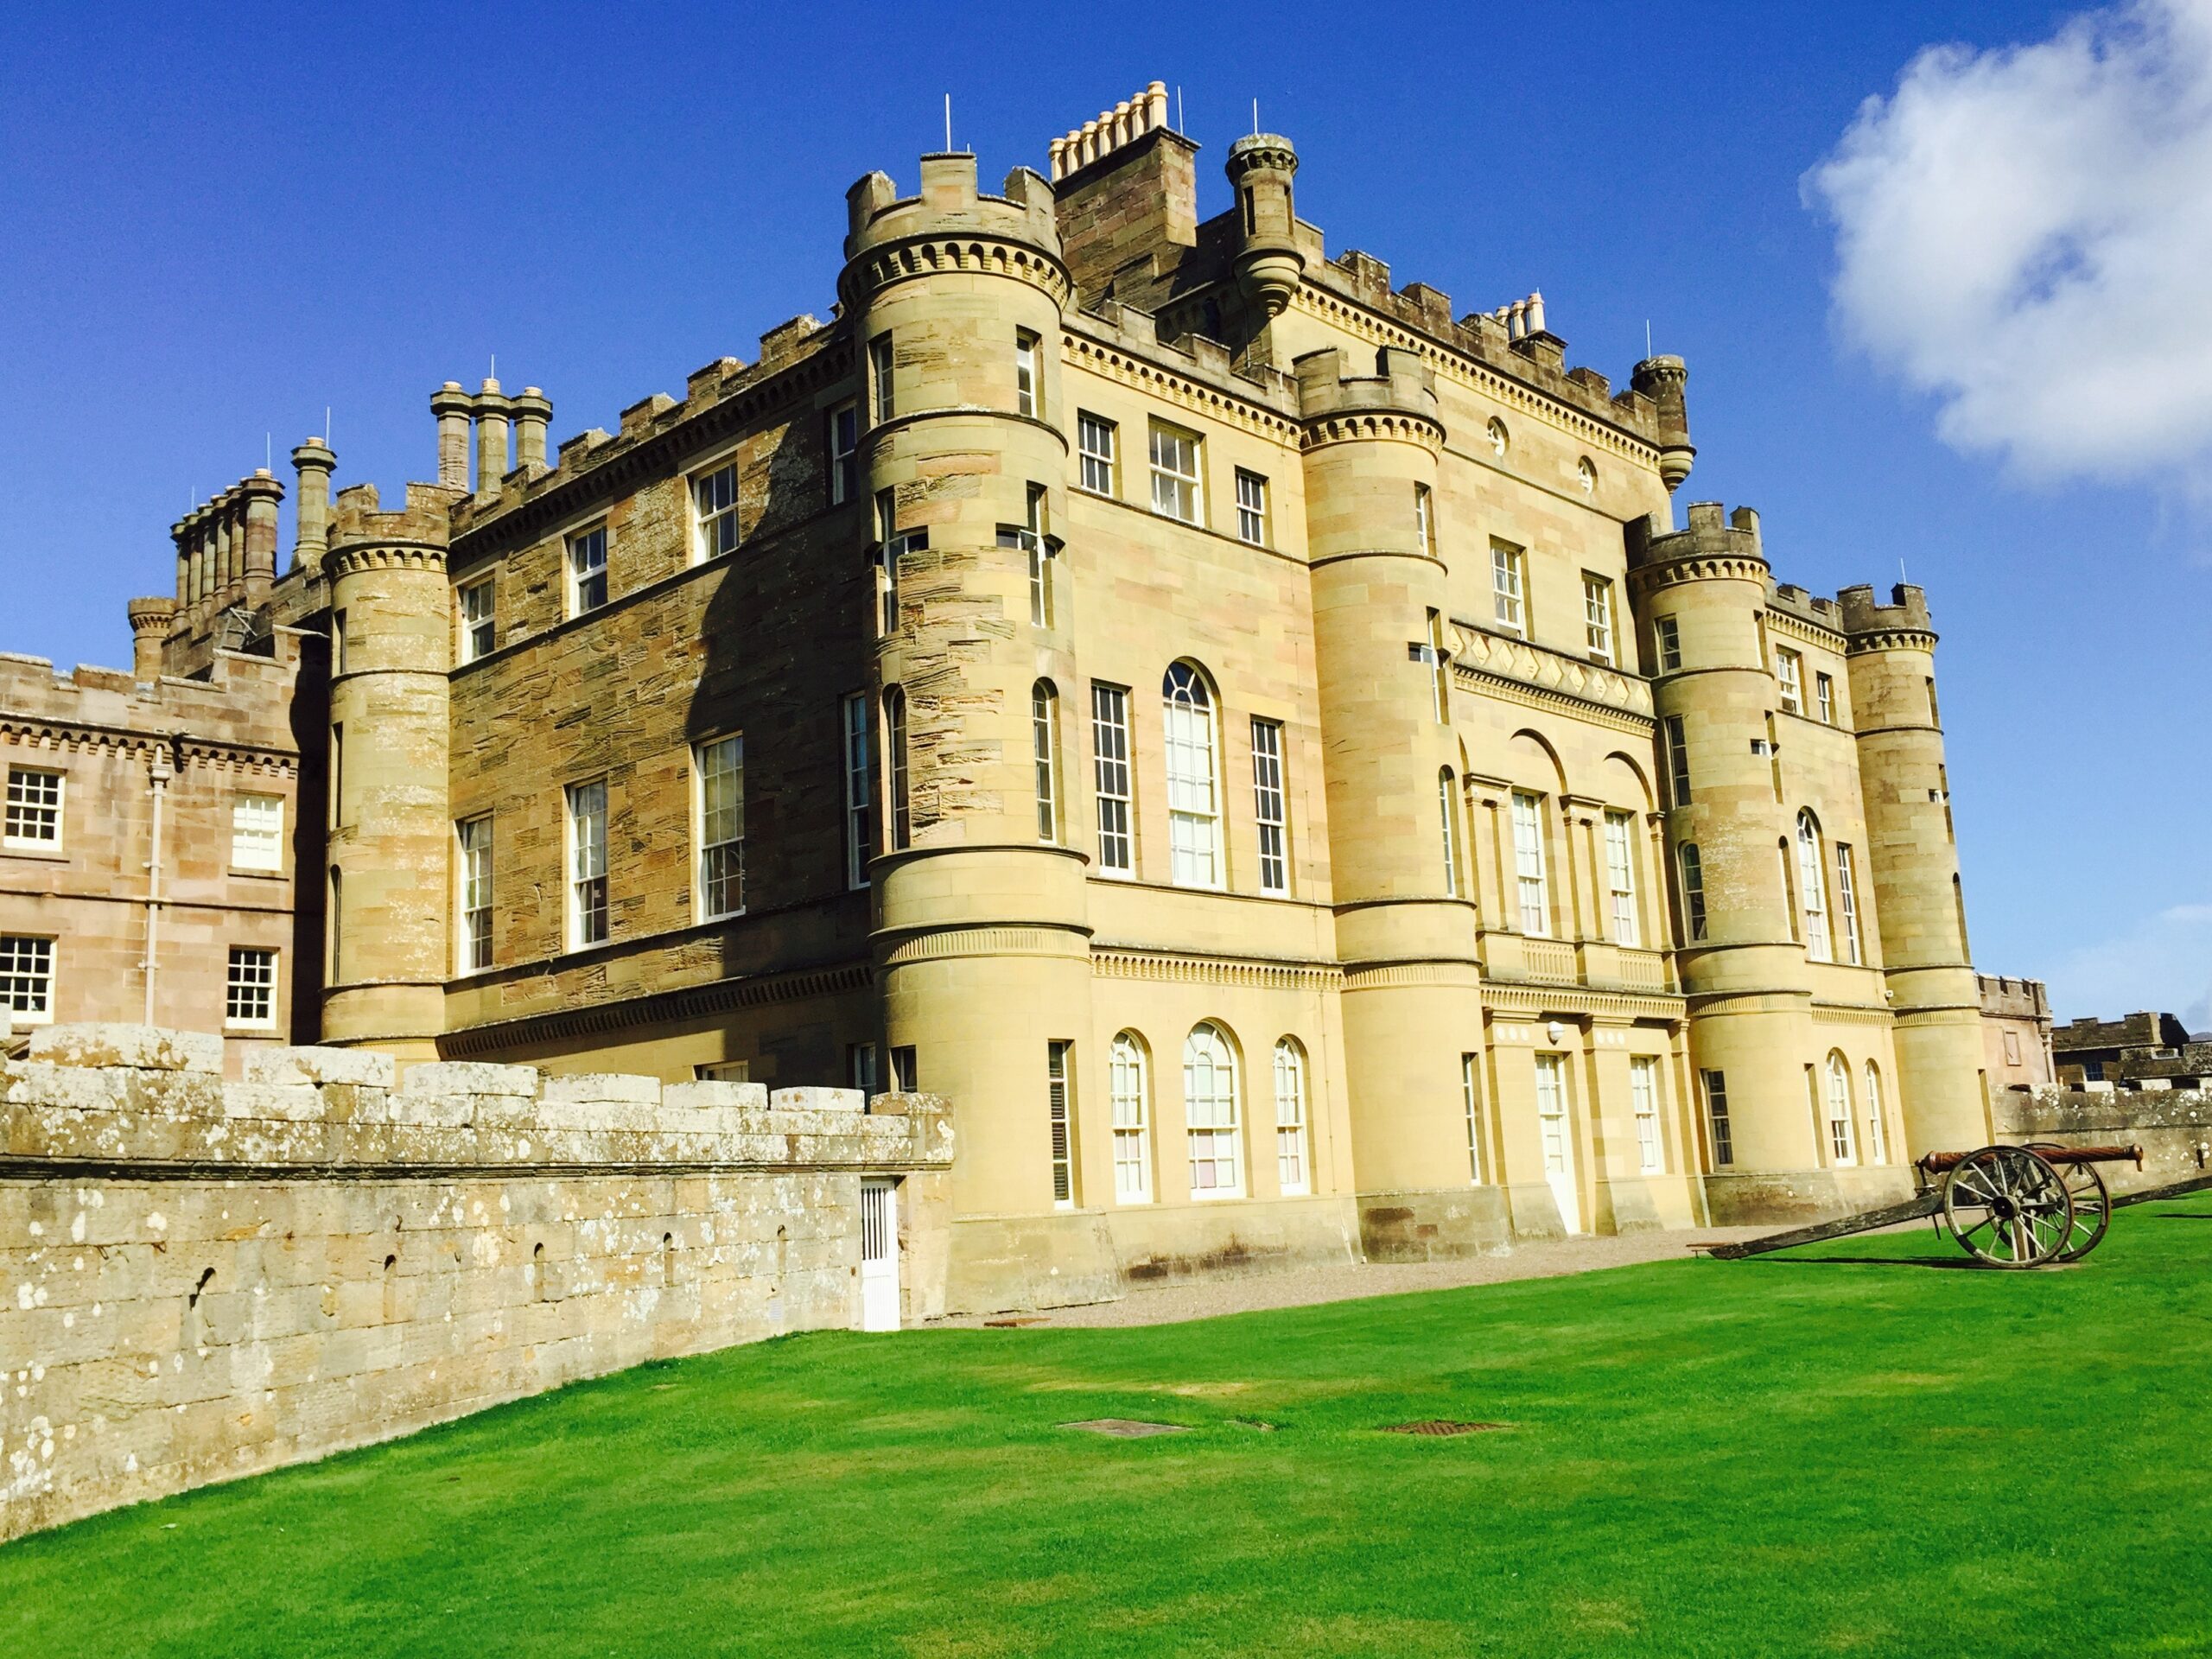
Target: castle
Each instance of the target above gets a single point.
(1270, 753)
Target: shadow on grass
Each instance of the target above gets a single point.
(1940, 1264)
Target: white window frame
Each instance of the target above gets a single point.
(589, 920)
(1113, 780)
(1269, 806)
(1789, 677)
(718, 828)
(883, 391)
(1098, 451)
(479, 618)
(1177, 493)
(1193, 756)
(1293, 1155)
(1424, 521)
(1127, 1088)
(1029, 383)
(1877, 1132)
(26, 977)
(1667, 634)
(473, 871)
(1213, 1114)
(1843, 1142)
(1471, 1098)
(1620, 877)
(1643, 1101)
(1251, 507)
(1847, 898)
(583, 547)
(1678, 760)
(714, 518)
(1692, 865)
(1715, 1084)
(1059, 1107)
(1438, 663)
(859, 797)
(1447, 812)
(1045, 753)
(895, 775)
(1597, 617)
(258, 847)
(1508, 587)
(1533, 882)
(843, 443)
(1824, 696)
(1812, 884)
(1554, 1114)
(36, 815)
(250, 977)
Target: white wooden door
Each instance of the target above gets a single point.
(1559, 1144)
(879, 1256)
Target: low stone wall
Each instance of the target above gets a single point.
(2173, 1127)
(201, 1279)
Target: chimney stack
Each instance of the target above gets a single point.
(452, 406)
(492, 411)
(314, 462)
(149, 625)
(532, 413)
(257, 533)
(224, 571)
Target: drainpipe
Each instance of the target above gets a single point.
(158, 776)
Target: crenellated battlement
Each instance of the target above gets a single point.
(1397, 400)
(425, 518)
(1906, 612)
(949, 205)
(1732, 539)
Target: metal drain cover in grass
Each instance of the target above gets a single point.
(1439, 1425)
(1126, 1428)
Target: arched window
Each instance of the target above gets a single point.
(1841, 1141)
(1210, 1112)
(1291, 1157)
(1877, 1142)
(1812, 886)
(894, 737)
(1450, 820)
(1126, 1088)
(1044, 724)
(1194, 801)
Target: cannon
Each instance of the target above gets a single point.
(2026, 1206)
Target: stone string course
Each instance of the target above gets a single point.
(200, 1280)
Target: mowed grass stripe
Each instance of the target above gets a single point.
(1837, 1453)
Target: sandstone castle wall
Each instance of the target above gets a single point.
(203, 1280)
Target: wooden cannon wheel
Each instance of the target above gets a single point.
(2085, 1185)
(2007, 1208)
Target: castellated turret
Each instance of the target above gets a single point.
(388, 894)
(956, 301)
(1268, 262)
(1914, 857)
(1371, 436)
(1745, 976)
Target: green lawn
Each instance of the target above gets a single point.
(1793, 1456)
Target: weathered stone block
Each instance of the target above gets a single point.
(146, 1047)
(469, 1078)
(360, 1066)
(753, 1097)
(585, 1088)
(831, 1100)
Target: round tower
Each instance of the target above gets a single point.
(1744, 971)
(981, 941)
(390, 827)
(1411, 1002)
(1267, 264)
(1914, 862)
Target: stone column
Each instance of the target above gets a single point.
(314, 462)
(452, 406)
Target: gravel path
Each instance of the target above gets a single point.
(1203, 1298)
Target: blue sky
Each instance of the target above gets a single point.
(221, 220)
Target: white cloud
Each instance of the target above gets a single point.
(2164, 964)
(2027, 233)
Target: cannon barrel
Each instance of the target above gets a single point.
(1936, 1163)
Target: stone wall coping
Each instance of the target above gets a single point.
(115, 1096)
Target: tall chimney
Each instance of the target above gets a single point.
(149, 625)
(195, 543)
(533, 412)
(180, 533)
(257, 551)
(452, 406)
(490, 437)
(223, 566)
(314, 462)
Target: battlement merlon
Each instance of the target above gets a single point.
(1908, 614)
(425, 520)
(950, 205)
(1403, 387)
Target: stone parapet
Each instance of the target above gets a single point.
(207, 1278)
